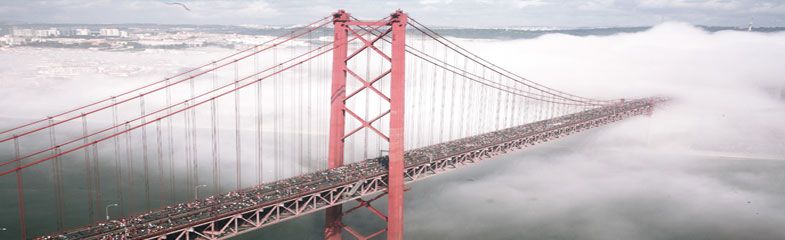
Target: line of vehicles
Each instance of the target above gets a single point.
(186, 214)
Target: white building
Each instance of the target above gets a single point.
(109, 32)
(81, 32)
(8, 40)
(27, 32)
(52, 32)
(24, 32)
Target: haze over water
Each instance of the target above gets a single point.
(707, 165)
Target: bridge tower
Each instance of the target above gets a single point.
(343, 27)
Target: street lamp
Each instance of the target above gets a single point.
(107, 209)
(196, 191)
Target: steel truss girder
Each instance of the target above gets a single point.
(245, 221)
(241, 222)
(232, 223)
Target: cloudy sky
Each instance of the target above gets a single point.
(473, 13)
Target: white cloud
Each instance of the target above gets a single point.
(644, 178)
(438, 12)
(435, 2)
(596, 4)
(530, 3)
(768, 7)
(622, 183)
(693, 4)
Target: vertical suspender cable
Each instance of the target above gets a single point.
(237, 137)
(516, 104)
(452, 103)
(88, 172)
(540, 109)
(292, 115)
(215, 140)
(553, 107)
(299, 109)
(309, 130)
(510, 104)
(20, 192)
(367, 114)
(187, 146)
(57, 180)
(97, 177)
(194, 138)
(145, 159)
(300, 121)
(160, 156)
(170, 143)
(471, 120)
(419, 92)
(432, 123)
(484, 103)
(498, 106)
(216, 152)
(443, 120)
(129, 166)
(276, 109)
(464, 99)
(259, 137)
(460, 108)
(380, 105)
(117, 162)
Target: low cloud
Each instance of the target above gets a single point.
(530, 3)
(706, 165)
(705, 4)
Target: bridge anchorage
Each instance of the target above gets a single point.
(141, 157)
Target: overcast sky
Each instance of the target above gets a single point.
(469, 13)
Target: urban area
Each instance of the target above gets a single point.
(131, 37)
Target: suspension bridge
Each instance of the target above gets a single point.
(339, 110)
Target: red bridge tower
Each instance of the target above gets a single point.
(344, 25)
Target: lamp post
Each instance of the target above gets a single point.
(107, 209)
(196, 191)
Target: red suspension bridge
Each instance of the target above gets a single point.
(335, 111)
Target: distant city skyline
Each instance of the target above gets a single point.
(453, 13)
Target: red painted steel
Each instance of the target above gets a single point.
(233, 223)
(155, 83)
(342, 28)
(390, 183)
(113, 104)
(332, 229)
(188, 107)
(397, 86)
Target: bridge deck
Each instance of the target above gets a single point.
(234, 213)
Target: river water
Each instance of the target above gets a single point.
(708, 165)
